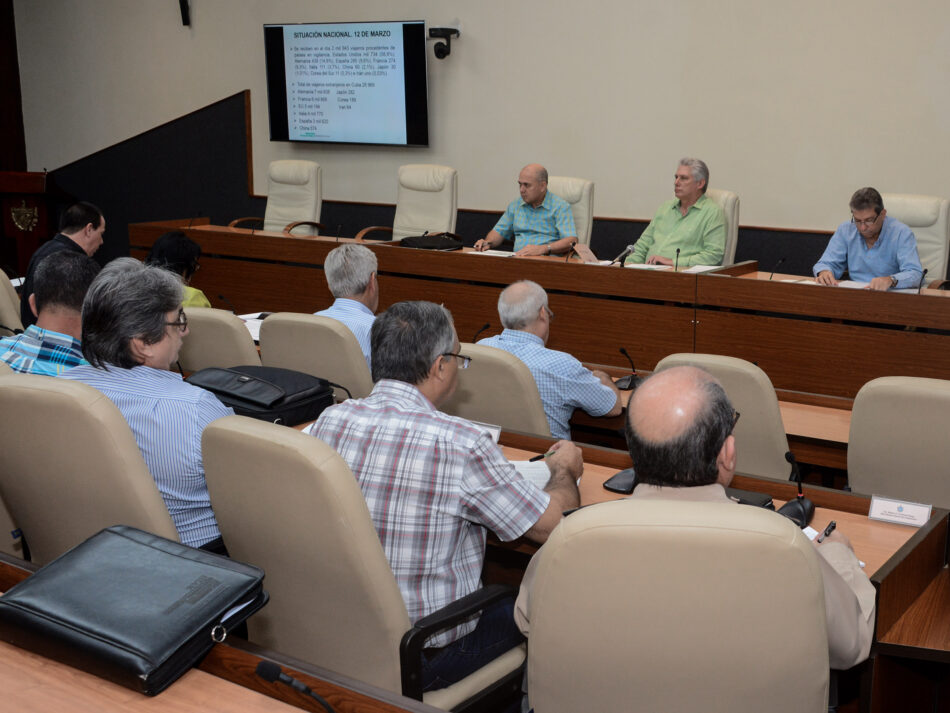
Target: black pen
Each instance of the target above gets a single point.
(828, 530)
(537, 458)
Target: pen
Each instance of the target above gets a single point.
(828, 530)
(537, 458)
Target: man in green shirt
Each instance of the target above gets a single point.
(691, 222)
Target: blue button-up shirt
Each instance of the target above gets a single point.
(550, 221)
(41, 351)
(358, 318)
(894, 253)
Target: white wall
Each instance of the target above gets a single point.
(793, 105)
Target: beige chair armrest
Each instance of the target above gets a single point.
(290, 226)
(234, 223)
(361, 236)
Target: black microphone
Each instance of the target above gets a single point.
(621, 256)
(676, 261)
(227, 302)
(570, 252)
(483, 328)
(776, 267)
(921, 285)
(271, 673)
(339, 232)
(15, 331)
(628, 383)
(800, 510)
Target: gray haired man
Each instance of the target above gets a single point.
(351, 277)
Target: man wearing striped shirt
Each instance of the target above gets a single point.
(351, 277)
(132, 330)
(51, 346)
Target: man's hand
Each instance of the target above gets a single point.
(482, 245)
(880, 284)
(836, 536)
(529, 250)
(826, 278)
(566, 462)
(659, 260)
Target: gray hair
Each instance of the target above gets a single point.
(127, 300)
(698, 168)
(520, 303)
(348, 269)
(407, 338)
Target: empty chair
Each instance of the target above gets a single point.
(294, 197)
(929, 218)
(71, 466)
(498, 388)
(9, 307)
(426, 201)
(896, 447)
(729, 202)
(760, 434)
(579, 193)
(216, 337)
(287, 502)
(633, 607)
(320, 346)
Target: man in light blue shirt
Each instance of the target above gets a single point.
(541, 223)
(351, 277)
(872, 247)
(563, 382)
(132, 330)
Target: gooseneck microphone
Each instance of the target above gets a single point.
(676, 260)
(11, 330)
(621, 256)
(483, 328)
(228, 303)
(271, 673)
(630, 382)
(800, 510)
(776, 267)
(922, 277)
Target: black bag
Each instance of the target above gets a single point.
(433, 241)
(130, 607)
(267, 393)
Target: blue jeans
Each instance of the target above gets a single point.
(494, 634)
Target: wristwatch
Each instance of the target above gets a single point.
(893, 282)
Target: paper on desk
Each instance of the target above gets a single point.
(643, 266)
(701, 268)
(496, 253)
(852, 285)
(253, 323)
(537, 472)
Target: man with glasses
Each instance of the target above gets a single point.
(871, 247)
(133, 325)
(563, 382)
(435, 484)
(679, 434)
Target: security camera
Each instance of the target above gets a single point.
(443, 49)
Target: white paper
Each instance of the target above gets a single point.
(537, 472)
(496, 253)
(16, 281)
(810, 532)
(701, 268)
(643, 266)
(253, 323)
(852, 285)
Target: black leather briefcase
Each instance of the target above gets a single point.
(131, 607)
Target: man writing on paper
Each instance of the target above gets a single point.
(872, 247)
(435, 484)
(690, 222)
(540, 222)
(679, 433)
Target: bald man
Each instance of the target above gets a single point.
(679, 433)
(541, 223)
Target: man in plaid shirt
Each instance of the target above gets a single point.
(435, 483)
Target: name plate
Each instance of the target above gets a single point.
(899, 511)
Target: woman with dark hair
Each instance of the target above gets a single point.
(178, 253)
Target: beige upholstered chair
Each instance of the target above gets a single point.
(729, 202)
(294, 197)
(287, 502)
(677, 606)
(5, 369)
(579, 192)
(426, 200)
(498, 388)
(760, 434)
(897, 447)
(10, 542)
(320, 346)
(929, 218)
(216, 337)
(71, 465)
(9, 307)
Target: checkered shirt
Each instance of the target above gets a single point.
(550, 221)
(41, 351)
(433, 484)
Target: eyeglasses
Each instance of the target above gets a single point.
(735, 420)
(550, 313)
(866, 223)
(464, 361)
(181, 322)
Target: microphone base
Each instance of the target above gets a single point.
(628, 383)
(800, 511)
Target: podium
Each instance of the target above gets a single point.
(26, 210)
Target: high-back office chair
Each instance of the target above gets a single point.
(287, 502)
(579, 193)
(896, 447)
(321, 346)
(498, 388)
(9, 544)
(5, 369)
(677, 606)
(9, 307)
(729, 202)
(294, 197)
(216, 337)
(426, 200)
(929, 218)
(71, 466)
(760, 434)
